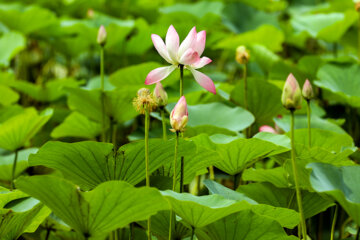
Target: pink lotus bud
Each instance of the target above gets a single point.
(291, 95)
(307, 90)
(266, 128)
(160, 95)
(101, 37)
(179, 115)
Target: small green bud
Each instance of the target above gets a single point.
(307, 90)
(291, 95)
(160, 95)
(101, 37)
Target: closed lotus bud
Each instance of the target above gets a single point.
(101, 37)
(179, 116)
(357, 5)
(266, 128)
(160, 95)
(242, 55)
(291, 95)
(307, 90)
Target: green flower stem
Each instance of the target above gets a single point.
(212, 173)
(181, 80)
(359, 38)
(358, 234)
(12, 186)
(247, 131)
(334, 223)
(162, 112)
(182, 174)
(103, 134)
(172, 215)
(296, 178)
(147, 126)
(114, 132)
(192, 233)
(309, 121)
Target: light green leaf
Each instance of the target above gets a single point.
(341, 183)
(329, 27)
(12, 43)
(109, 206)
(201, 211)
(6, 163)
(199, 9)
(245, 225)
(8, 96)
(257, 36)
(77, 125)
(16, 131)
(339, 79)
(267, 5)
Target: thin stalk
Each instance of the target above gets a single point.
(175, 160)
(172, 215)
(131, 235)
(335, 49)
(334, 223)
(247, 131)
(181, 80)
(296, 178)
(357, 234)
(359, 38)
(192, 233)
(103, 134)
(12, 186)
(163, 120)
(212, 173)
(114, 132)
(147, 126)
(309, 121)
(182, 175)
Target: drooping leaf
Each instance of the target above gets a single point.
(14, 42)
(201, 211)
(8, 96)
(109, 206)
(77, 125)
(341, 183)
(340, 80)
(16, 131)
(245, 225)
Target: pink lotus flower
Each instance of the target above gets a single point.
(187, 54)
(179, 115)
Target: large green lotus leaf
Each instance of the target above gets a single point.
(329, 27)
(277, 139)
(53, 90)
(263, 100)
(9, 112)
(267, 5)
(244, 225)
(199, 9)
(135, 75)
(258, 36)
(203, 210)
(341, 183)
(8, 96)
(276, 176)
(264, 57)
(26, 19)
(12, 43)
(19, 214)
(218, 115)
(286, 217)
(118, 103)
(91, 163)
(341, 80)
(6, 163)
(301, 123)
(284, 198)
(109, 206)
(140, 42)
(239, 154)
(16, 131)
(77, 125)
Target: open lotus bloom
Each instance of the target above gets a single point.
(187, 54)
(179, 115)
